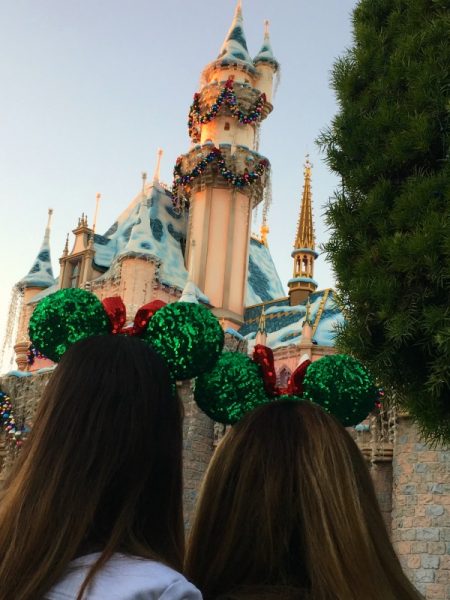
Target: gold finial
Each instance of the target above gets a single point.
(264, 232)
(266, 28)
(307, 167)
(158, 165)
(97, 202)
(144, 180)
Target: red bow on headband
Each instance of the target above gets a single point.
(117, 313)
(263, 356)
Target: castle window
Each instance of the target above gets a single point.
(75, 275)
(305, 265)
(227, 126)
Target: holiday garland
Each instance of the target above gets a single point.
(8, 423)
(238, 181)
(226, 96)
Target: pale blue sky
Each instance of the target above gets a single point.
(91, 88)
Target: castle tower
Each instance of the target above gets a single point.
(304, 254)
(222, 177)
(76, 266)
(39, 277)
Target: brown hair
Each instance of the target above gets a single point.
(288, 510)
(101, 469)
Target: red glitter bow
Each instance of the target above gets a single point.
(263, 356)
(117, 313)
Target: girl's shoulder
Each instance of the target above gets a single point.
(124, 578)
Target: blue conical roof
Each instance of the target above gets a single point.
(41, 273)
(234, 48)
(265, 55)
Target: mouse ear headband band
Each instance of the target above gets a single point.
(190, 339)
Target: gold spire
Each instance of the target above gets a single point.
(305, 228)
(262, 321)
(304, 254)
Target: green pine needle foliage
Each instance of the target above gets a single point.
(390, 220)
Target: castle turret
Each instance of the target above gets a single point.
(222, 177)
(304, 253)
(38, 278)
(266, 64)
(76, 266)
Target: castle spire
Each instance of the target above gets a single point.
(41, 273)
(97, 203)
(265, 55)
(234, 48)
(304, 254)
(156, 174)
(305, 227)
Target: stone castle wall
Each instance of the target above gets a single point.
(421, 511)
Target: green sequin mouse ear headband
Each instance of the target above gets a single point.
(190, 339)
(187, 335)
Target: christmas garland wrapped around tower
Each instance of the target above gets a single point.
(226, 96)
(183, 180)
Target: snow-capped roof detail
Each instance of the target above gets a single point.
(139, 242)
(284, 322)
(234, 48)
(265, 55)
(263, 282)
(148, 227)
(41, 273)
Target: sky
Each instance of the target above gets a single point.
(91, 88)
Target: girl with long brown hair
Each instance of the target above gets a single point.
(288, 511)
(93, 507)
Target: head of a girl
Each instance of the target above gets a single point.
(100, 471)
(288, 510)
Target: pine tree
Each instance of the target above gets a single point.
(390, 219)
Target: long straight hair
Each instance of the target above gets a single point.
(288, 510)
(101, 469)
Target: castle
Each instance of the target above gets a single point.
(193, 241)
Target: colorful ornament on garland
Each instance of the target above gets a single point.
(232, 388)
(188, 336)
(61, 319)
(33, 354)
(342, 386)
(226, 97)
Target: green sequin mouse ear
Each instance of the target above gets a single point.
(342, 386)
(188, 336)
(233, 387)
(65, 317)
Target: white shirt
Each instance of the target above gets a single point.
(124, 578)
